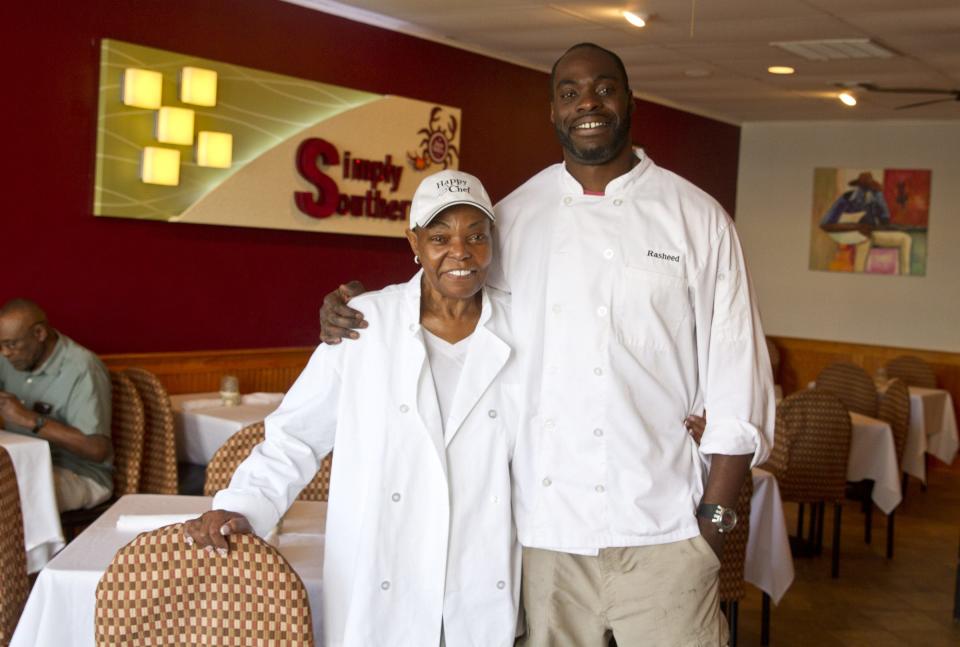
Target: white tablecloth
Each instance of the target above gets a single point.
(60, 610)
(933, 430)
(42, 534)
(203, 424)
(874, 456)
(768, 564)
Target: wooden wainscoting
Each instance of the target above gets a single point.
(261, 369)
(801, 360)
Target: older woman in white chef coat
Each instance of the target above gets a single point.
(421, 545)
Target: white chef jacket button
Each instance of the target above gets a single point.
(600, 489)
(638, 502)
(385, 585)
(598, 432)
(492, 413)
(495, 499)
(29, 380)
(549, 424)
(413, 327)
(395, 497)
(608, 254)
(557, 307)
(567, 200)
(404, 408)
(602, 311)
(547, 482)
(501, 584)
(617, 202)
(598, 371)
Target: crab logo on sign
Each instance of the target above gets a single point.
(436, 146)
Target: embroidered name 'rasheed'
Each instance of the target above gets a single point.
(661, 255)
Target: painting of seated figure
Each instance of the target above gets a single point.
(870, 220)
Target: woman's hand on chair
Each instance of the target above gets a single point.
(210, 530)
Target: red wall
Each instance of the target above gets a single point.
(124, 285)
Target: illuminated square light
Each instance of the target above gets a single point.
(175, 125)
(160, 166)
(214, 149)
(142, 88)
(198, 86)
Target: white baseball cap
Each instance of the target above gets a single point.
(446, 189)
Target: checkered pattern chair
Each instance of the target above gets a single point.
(14, 585)
(128, 424)
(852, 385)
(233, 452)
(912, 370)
(126, 434)
(158, 474)
(732, 587)
(158, 591)
(809, 457)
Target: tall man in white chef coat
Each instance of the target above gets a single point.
(630, 289)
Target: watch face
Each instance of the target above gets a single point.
(728, 519)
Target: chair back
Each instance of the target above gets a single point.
(735, 548)
(852, 385)
(159, 591)
(158, 474)
(894, 409)
(233, 452)
(127, 433)
(14, 584)
(811, 447)
(774, 353)
(912, 370)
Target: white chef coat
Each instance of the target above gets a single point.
(419, 522)
(636, 310)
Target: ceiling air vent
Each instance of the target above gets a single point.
(834, 48)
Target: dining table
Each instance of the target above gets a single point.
(61, 608)
(873, 456)
(768, 563)
(933, 430)
(203, 423)
(42, 533)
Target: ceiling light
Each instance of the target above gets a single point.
(780, 69)
(198, 86)
(160, 166)
(847, 99)
(634, 19)
(142, 88)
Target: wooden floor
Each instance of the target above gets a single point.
(876, 602)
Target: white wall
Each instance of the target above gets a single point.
(774, 201)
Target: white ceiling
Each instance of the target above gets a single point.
(730, 42)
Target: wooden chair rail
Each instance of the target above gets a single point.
(260, 369)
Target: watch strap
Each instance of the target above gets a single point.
(38, 425)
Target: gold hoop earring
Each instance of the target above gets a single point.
(416, 259)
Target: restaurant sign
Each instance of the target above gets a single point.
(189, 140)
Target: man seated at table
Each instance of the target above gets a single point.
(53, 388)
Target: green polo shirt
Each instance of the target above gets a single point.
(76, 385)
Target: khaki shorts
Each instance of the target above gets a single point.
(75, 492)
(662, 596)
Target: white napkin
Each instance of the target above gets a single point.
(147, 522)
(203, 403)
(261, 398)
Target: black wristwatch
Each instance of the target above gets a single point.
(724, 518)
(38, 425)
